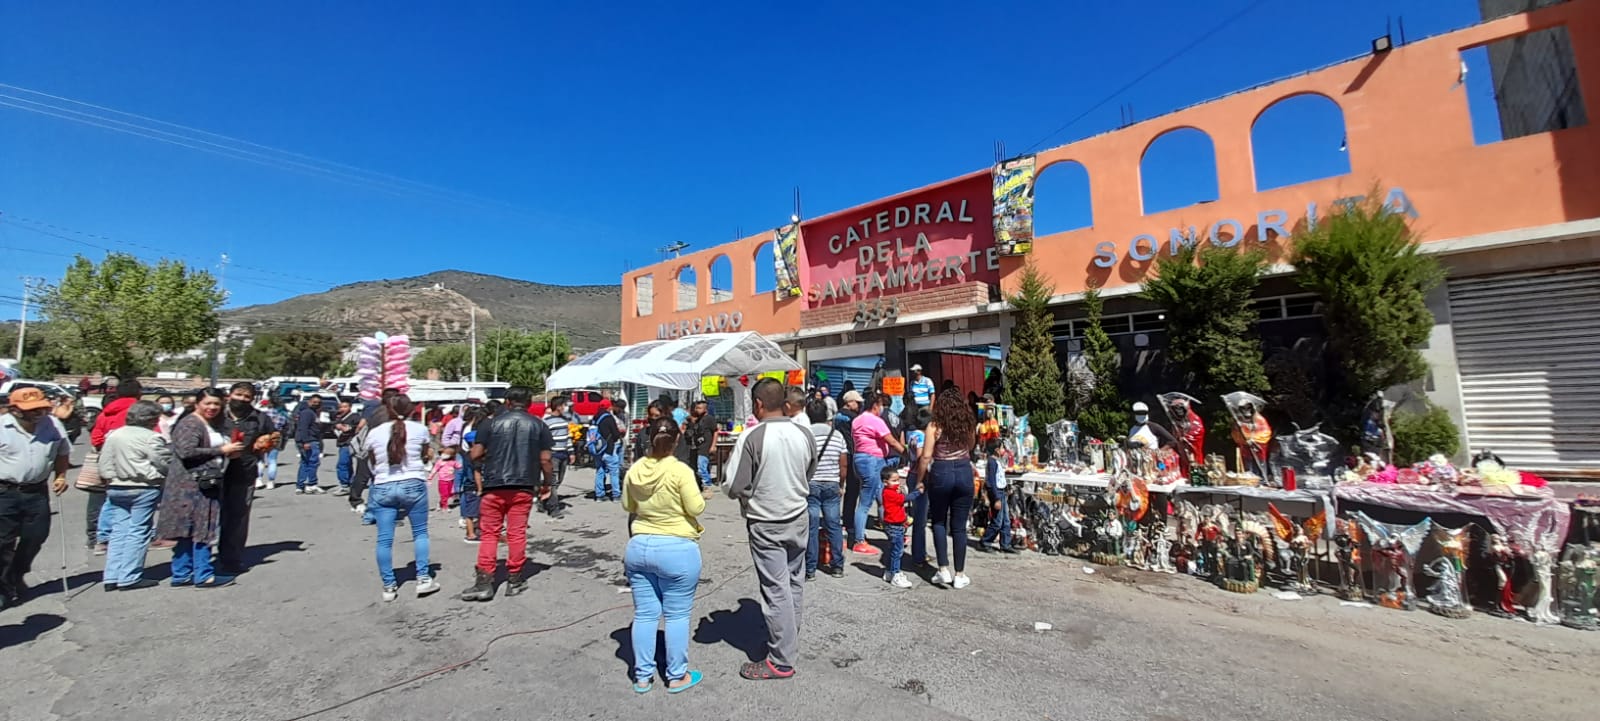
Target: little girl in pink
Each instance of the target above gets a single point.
(444, 473)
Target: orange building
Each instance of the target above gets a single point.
(916, 278)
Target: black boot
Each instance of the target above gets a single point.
(482, 588)
(516, 583)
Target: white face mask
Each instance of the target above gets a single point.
(1141, 419)
(166, 407)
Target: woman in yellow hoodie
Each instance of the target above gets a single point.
(664, 503)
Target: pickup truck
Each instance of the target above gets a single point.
(585, 405)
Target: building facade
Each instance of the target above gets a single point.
(918, 277)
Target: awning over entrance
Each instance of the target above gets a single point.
(678, 364)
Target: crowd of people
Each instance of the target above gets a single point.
(183, 475)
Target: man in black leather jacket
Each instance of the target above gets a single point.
(513, 455)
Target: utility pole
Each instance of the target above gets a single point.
(473, 309)
(497, 338)
(552, 356)
(22, 332)
(216, 342)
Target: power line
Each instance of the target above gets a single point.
(1203, 37)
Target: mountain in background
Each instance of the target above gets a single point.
(435, 308)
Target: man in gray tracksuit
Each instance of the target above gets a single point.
(769, 473)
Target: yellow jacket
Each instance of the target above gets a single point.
(664, 498)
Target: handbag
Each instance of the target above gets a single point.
(89, 475)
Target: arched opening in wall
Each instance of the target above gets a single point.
(685, 289)
(1299, 139)
(721, 279)
(1178, 169)
(644, 295)
(1061, 198)
(766, 271)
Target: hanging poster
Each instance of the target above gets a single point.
(1013, 206)
(894, 385)
(786, 260)
(796, 378)
(710, 386)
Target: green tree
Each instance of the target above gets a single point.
(120, 314)
(521, 358)
(44, 355)
(293, 353)
(263, 359)
(1207, 293)
(1371, 283)
(1105, 414)
(1033, 381)
(453, 361)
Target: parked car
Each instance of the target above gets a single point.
(585, 404)
(81, 417)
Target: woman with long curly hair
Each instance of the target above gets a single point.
(945, 475)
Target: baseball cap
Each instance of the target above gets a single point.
(853, 396)
(917, 367)
(27, 399)
(1140, 407)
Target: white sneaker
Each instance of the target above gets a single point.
(271, 485)
(461, 523)
(426, 585)
(314, 490)
(942, 578)
(962, 581)
(359, 508)
(900, 580)
(260, 484)
(390, 593)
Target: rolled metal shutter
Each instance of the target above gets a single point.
(1528, 349)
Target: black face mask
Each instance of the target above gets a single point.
(239, 407)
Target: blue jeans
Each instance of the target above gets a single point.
(999, 521)
(702, 465)
(310, 460)
(608, 471)
(664, 572)
(869, 469)
(102, 524)
(131, 514)
(345, 469)
(386, 502)
(949, 489)
(897, 546)
(269, 465)
(919, 525)
(823, 506)
(191, 561)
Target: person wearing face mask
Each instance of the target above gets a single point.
(33, 446)
(257, 435)
(191, 499)
(1148, 433)
(169, 415)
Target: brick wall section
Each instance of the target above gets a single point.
(963, 296)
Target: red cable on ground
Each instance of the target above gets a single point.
(460, 664)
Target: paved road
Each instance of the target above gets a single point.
(305, 630)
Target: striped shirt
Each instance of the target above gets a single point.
(832, 444)
(560, 432)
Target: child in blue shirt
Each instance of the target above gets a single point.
(994, 486)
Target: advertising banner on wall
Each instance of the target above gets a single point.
(786, 260)
(1013, 206)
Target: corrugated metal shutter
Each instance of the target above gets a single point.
(837, 375)
(1528, 347)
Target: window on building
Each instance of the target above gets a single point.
(1061, 198)
(765, 269)
(1522, 85)
(686, 289)
(644, 295)
(1298, 139)
(721, 279)
(1178, 169)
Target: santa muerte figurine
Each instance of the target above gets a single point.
(1251, 432)
(1447, 596)
(1347, 547)
(1503, 554)
(1393, 549)
(1578, 571)
(1299, 538)
(1187, 426)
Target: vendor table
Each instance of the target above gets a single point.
(1086, 480)
(1533, 517)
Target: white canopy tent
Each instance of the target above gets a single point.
(677, 364)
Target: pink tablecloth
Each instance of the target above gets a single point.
(1533, 517)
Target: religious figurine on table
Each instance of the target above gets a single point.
(1189, 429)
(1108, 541)
(1251, 432)
(1503, 554)
(1543, 609)
(1447, 596)
(1242, 564)
(1209, 561)
(1300, 538)
(1347, 545)
(1578, 572)
(1393, 549)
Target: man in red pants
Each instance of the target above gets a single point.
(512, 454)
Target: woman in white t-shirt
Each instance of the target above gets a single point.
(399, 450)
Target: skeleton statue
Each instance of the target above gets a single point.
(1543, 608)
(1578, 570)
(1347, 542)
(1393, 548)
(1300, 538)
(1447, 596)
(1504, 556)
(1163, 554)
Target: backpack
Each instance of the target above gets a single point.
(593, 442)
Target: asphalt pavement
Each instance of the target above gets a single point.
(305, 635)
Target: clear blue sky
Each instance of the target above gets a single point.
(600, 132)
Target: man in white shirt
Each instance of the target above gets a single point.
(33, 446)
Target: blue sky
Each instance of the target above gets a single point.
(589, 135)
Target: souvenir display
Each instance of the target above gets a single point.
(1503, 555)
(1243, 558)
(1251, 432)
(1393, 550)
(1299, 539)
(1108, 540)
(1315, 457)
(1543, 609)
(1578, 570)
(1347, 544)
(1064, 444)
(1447, 596)
(1160, 558)
(1188, 428)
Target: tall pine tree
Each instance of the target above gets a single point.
(1105, 415)
(1033, 376)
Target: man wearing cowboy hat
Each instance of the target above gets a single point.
(33, 444)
